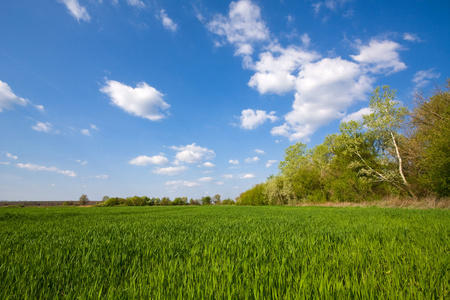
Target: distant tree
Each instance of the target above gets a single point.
(84, 200)
(105, 198)
(206, 200)
(178, 201)
(165, 201)
(194, 202)
(216, 199)
(185, 200)
(228, 201)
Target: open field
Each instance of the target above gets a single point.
(224, 252)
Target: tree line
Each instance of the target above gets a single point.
(393, 151)
(165, 201)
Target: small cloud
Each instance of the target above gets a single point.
(234, 161)
(144, 160)
(86, 132)
(270, 163)
(167, 22)
(39, 107)
(34, 167)
(259, 151)
(76, 10)
(251, 119)
(100, 177)
(136, 3)
(9, 155)
(252, 159)
(411, 37)
(179, 183)
(192, 153)
(423, 77)
(83, 163)
(247, 176)
(4, 163)
(357, 116)
(8, 99)
(206, 179)
(227, 176)
(170, 170)
(43, 127)
(220, 183)
(93, 127)
(208, 165)
(306, 40)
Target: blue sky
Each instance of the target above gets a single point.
(194, 98)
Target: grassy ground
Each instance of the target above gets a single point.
(224, 252)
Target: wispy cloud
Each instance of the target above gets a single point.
(167, 22)
(76, 10)
(34, 167)
(8, 99)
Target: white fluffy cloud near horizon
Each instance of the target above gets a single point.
(142, 101)
(143, 160)
(192, 154)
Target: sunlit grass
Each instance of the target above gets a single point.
(224, 252)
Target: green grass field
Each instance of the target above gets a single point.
(224, 253)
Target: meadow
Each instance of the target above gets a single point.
(224, 252)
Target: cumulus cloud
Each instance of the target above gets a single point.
(86, 132)
(192, 153)
(247, 176)
(43, 127)
(227, 176)
(411, 37)
(170, 170)
(81, 162)
(259, 151)
(234, 161)
(167, 22)
(136, 3)
(242, 27)
(76, 10)
(357, 116)
(270, 163)
(380, 56)
(252, 159)
(180, 183)
(34, 167)
(103, 177)
(9, 155)
(209, 165)
(143, 160)
(325, 89)
(275, 68)
(142, 101)
(8, 99)
(423, 77)
(206, 179)
(251, 119)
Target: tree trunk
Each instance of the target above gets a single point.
(400, 166)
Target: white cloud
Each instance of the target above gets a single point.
(357, 116)
(136, 3)
(39, 107)
(259, 151)
(192, 153)
(76, 10)
(305, 39)
(143, 160)
(94, 127)
(380, 56)
(275, 68)
(209, 164)
(270, 163)
(34, 167)
(247, 176)
(9, 155)
(423, 77)
(234, 161)
(411, 37)
(83, 163)
(220, 183)
(103, 177)
(8, 99)
(227, 176)
(170, 170)
(325, 89)
(251, 119)
(242, 27)
(252, 159)
(167, 22)
(206, 179)
(142, 101)
(86, 132)
(43, 127)
(4, 163)
(179, 183)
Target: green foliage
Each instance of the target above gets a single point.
(254, 196)
(224, 252)
(84, 200)
(165, 201)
